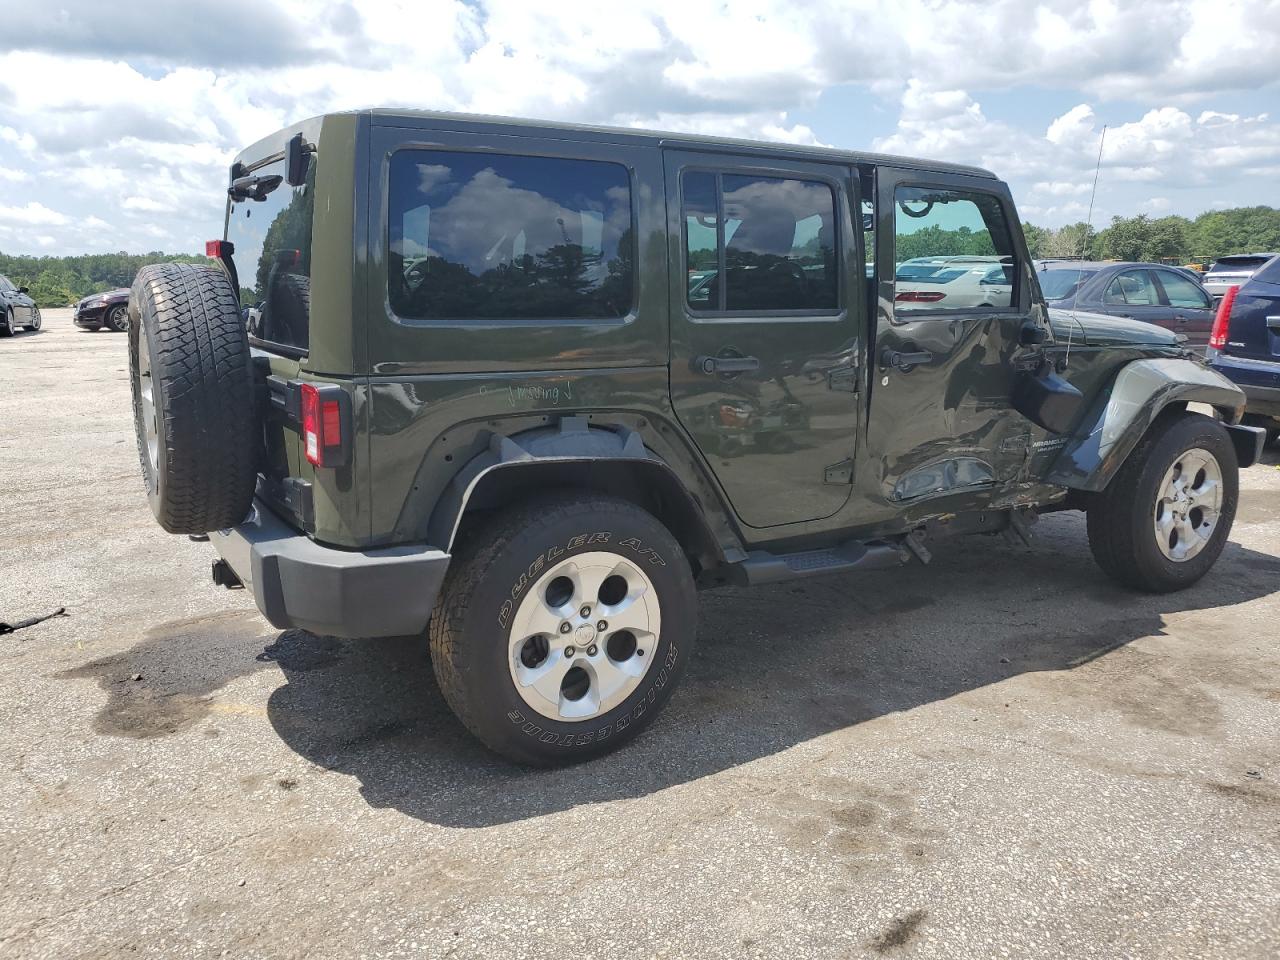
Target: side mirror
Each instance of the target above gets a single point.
(22, 289)
(1032, 334)
(295, 160)
(1047, 400)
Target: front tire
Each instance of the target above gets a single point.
(563, 626)
(6, 327)
(117, 318)
(1165, 516)
(36, 321)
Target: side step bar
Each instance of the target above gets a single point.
(764, 567)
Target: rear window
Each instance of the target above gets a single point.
(483, 236)
(1239, 264)
(1270, 273)
(272, 239)
(1061, 284)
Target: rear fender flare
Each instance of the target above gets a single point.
(574, 453)
(1124, 411)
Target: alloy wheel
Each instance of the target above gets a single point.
(1188, 505)
(584, 636)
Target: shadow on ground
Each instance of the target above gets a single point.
(774, 667)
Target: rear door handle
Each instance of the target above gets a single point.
(1273, 323)
(904, 362)
(716, 365)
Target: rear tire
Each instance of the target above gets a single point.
(1165, 516)
(527, 686)
(193, 403)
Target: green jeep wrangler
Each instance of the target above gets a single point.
(527, 387)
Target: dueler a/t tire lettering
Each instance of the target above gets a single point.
(494, 570)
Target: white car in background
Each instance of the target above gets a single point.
(1233, 271)
(926, 283)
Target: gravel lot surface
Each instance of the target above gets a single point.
(1002, 754)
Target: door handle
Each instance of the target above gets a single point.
(1182, 319)
(715, 365)
(904, 361)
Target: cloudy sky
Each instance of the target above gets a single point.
(117, 121)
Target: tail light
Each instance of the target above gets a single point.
(919, 296)
(322, 418)
(1222, 321)
(218, 249)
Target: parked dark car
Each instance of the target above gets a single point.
(1167, 296)
(19, 310)
(1233, 271)
(110, 310)
(1246, 346)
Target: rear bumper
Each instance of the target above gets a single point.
(1259, 379)
(298, 583)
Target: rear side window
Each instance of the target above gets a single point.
(756, 243)
(482, 236)
(1134, 288)
(272, 239)
(954, 251)
(1182, 292)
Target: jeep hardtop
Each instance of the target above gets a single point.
(526, 387)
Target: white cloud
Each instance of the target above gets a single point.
(140, 107)
(34, 214)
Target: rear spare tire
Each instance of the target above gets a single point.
(193, 404)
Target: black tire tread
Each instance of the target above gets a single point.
(202, 373)
(472, 559)
(1112, 535)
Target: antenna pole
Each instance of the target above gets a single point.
(1088, 227)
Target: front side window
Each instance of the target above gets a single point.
(756, 243)
(1182, 292)
(272, 239)
(482, 236)
(1132, 288)
(953, 251)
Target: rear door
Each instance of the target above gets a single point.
(766, 335)
(1133, 294)
(941, 420)
(1190, 304)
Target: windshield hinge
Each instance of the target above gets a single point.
(839, 473)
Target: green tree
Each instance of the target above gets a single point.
(1073, 240)
(1037, 238)
(1141, 238)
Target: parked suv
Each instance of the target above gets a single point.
(1246, 345)
(527, 387)
(1232, 271)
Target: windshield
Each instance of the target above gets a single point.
(272, 239)
(1061, 284)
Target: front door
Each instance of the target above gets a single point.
(1190, 305)
(766, 334)
(954, 290)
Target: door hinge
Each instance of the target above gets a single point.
(843, 378)
(839, 473)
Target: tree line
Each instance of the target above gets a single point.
(59, 281)
(1213, 234)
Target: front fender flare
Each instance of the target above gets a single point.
(1127, 408)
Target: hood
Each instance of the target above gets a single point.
(120, 293)
(1100, 330)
